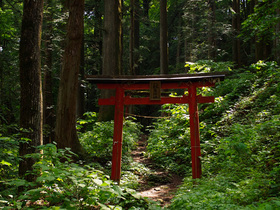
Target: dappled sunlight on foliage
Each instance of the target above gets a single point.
(240, 147)
(239, 143)
(97, 137)
(69, 185)
(168, 143)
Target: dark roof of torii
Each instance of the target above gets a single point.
(167, 78)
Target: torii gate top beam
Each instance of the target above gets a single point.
(170, 78)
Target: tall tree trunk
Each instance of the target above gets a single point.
(277, 40)
(98, 35)
(31, 106)
(81, 92)
(65, 130)
(146, 8)
(112, 50)
(236, 24)
(48, 102)
(134, 37)
(163, 38)
(211, 33)
(252, 40)
(131, 41)
(179, 44)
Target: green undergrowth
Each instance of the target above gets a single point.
(63, 183)
(240, 145)
(240, 142)
(67, 185)
(97, 137)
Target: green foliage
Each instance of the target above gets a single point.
(207, 66)
(98, 137)
(8, 157)
(239, 142)
(61, 183)
(168, 143)
(262, 22)
(133, 172)
(223, 192)
(169, 140)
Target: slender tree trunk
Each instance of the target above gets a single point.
(211, 33)
(65, 130)
(134, 37)
(277, 40)
(31, 105)
(81, 92)
(179, 45)
(146, 8)
(131, 41)
(48, 102)
(252, 41)
(112, 50)
(98, 36)
(163, 38)
(236, 24)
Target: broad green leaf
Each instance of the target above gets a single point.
(3, 162)
(98, 181)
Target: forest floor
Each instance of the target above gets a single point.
(160, 185)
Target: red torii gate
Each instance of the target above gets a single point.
(155, 84)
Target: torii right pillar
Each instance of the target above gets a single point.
(194, 131)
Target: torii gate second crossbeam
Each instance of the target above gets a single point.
(155, 84)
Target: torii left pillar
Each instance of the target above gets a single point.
(118, 135)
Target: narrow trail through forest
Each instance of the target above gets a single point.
(160, 185)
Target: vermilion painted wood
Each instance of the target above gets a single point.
(146, 86)
(194, 133)
(120, 100)
(165, 100)
(205, 99)
(118, 135)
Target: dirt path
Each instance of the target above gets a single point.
(160, 185)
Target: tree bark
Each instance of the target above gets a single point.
(48, 102)
(31, 106)
(81, 92)
(134, 37)
(236, 24)
(131, 41)
(112, 50)
(146, 8)
(277, 40)
(65, 130)
(163, 38)
(211, 33)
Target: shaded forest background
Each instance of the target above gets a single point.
(240, 132)
(239, 31)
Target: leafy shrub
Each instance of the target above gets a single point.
(67, 185)
(8, 157)
(223, 192)
(239, 142)
(207, 66)
(168, 143)
(97, 140)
